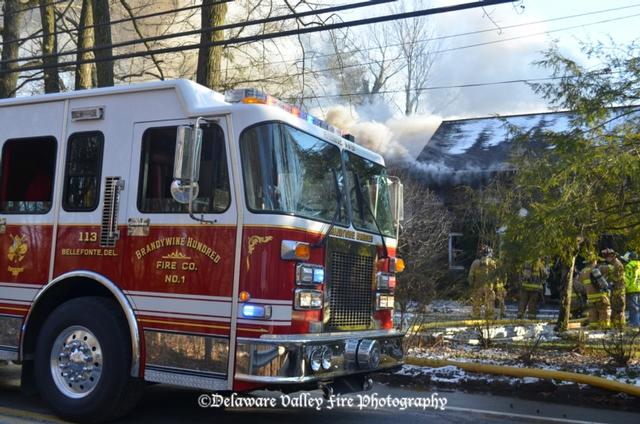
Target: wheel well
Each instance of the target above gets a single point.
(71, 288)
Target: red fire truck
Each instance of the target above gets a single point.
(163, 232)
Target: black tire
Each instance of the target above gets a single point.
(114, 392)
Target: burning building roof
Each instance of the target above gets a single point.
(471, 151)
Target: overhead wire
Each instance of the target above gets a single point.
(464, 34)
(25, 9)
(429, 88)
(359, 64)
(260, 37)
(469, 85)
(271, 19)
(122, 20)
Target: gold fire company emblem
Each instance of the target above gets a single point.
(253, 242)
(17, 252)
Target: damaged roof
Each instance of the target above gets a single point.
(471, 151)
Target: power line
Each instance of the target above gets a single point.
(449, 87)
(443, 37)
(261, 37)
(538, 33)
(18, 11)
(355, 65)
(429, 88)
(205, 30)
(123, 20)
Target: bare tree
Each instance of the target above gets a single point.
(49, 47)
(423, 245)
(210, 57)
(10, 48)
(413, 36)
(343, 66)
(139, 33)
(365, 62)
(86, 39)
(104, 66)
(381, 60)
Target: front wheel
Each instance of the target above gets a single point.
(82, 361)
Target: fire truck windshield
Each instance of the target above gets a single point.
(369, 195)
(291, 172)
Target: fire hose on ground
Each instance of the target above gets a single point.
(594, 381)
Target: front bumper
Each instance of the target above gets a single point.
(286, 359)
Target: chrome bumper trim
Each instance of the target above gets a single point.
(323, 337)
(185, 380)
(285, 359)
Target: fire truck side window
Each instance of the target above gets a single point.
(82, 172)
(156, 172)
(28, 169)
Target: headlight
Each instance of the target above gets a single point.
(327, 356)
(315, 359)
(319, 358)
(309, 274)
(308, 299)
(384, 301)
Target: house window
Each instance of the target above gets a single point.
(156, 172)
(455, 253)
(82, 172)
(26, 181)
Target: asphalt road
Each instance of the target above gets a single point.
(165, 404)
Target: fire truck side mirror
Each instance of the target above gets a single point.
(186, 168)
(187, 160)
(396, 194)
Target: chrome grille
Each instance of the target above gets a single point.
(350, 294)
(109, 233)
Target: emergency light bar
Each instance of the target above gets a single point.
(253, 96)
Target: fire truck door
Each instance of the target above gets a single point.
(93, 176)
(27, 214)
(180, 270)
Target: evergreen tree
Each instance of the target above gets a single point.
(584, 183)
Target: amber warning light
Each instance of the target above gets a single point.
(253, 96)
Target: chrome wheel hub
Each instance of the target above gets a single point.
(76, 361)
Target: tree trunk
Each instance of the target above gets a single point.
(85, 41)
(564, 324)
(104, 66)
(49, 46)
(10, 32)
(408, 106)
(210, 58)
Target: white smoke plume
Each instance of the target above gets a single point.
(398, 139)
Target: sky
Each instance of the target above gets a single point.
(513, 59)
(518, 34)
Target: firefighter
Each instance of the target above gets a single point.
(596, 288)
(482, 276)
(532, 281)
(632, 286)
(613, 271)
(578, 298)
